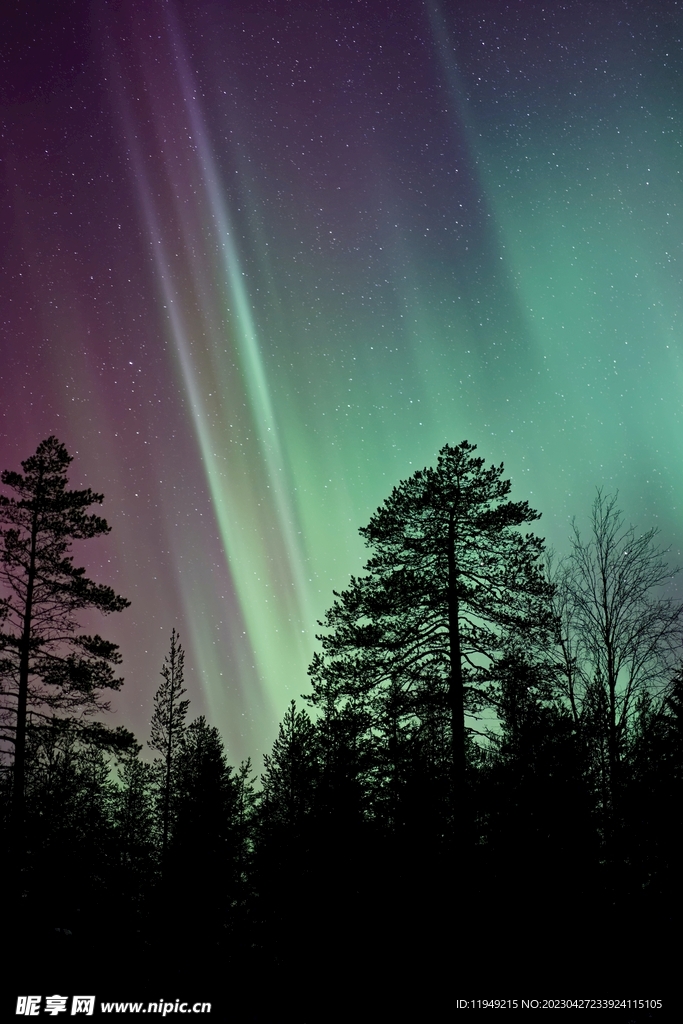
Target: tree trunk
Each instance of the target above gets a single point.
(456, 690)
(19, 778)
(167, 792)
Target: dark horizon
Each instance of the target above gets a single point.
(389, 829)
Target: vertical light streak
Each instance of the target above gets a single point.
(249, 349)
(214, 336)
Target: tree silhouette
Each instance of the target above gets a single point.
(533, 791)
(620, 637)
(451, 583)
(203, 844)
(134, 820)
(291, 771)
(167, 730)
(204, 793)
(285, 817)
(651, 805)
(47, 668)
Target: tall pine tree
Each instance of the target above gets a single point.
(166, 734)
(48, 668)
(451, 584)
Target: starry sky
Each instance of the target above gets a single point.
(261, 259)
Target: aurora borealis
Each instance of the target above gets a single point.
(262, 260)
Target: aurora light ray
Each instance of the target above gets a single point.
(313, 244)
(251, 492)
(589, 229)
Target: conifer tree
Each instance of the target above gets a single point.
(451, 583)
(47, 668)
(204, 791)
(68, 828)
(166, 734)
(245, 801)
(533, 791)
(291, 771)
(204, 840)
(133, 816)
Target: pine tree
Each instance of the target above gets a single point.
(291, 771)
(533, 787)
(205, 795)
(205, 833)
(652, 804)
(134, 819)
(47, 668)
(166, 733)
(245, 802)
(451, 583)
(69, 827)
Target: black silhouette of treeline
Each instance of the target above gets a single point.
(483, 781)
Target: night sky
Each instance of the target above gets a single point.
(261, 260)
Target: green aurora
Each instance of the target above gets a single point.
(303, 249)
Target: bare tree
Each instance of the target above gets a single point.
(620, 635)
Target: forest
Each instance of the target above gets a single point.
(478, 793)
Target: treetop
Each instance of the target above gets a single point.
(42, 490)
(458, 488)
